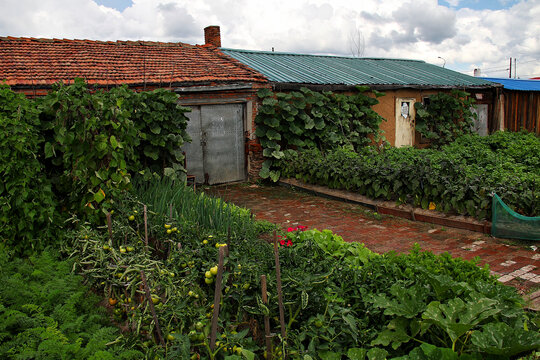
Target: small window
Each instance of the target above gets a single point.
(426, 100)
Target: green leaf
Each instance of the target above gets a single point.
(49, 150)
(262, 93)
(151, 152)
(356, 353)
(407, 302)
(273, 135)
(114, 142)
(269, 101)
(457, 317)
(274, 175)
(169, 172)
(155, 128)
(501, 339)
(305, 297)
(329, 355)
(260, 131)
(264, 173)
(272, 122)
(99, 195)
(432, 352)
(249, 355)
(308, 123)
(377, 354)
(277, 154)
(399, 331)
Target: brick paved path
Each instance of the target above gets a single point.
(516, 263)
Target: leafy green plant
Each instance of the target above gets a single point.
(309, 119)
(89, 141)
(97, 140)
(161, 128)
(459, 178)
(27, 204)
(445, 117)
(340, 299)
(212, 214)
(46, 312)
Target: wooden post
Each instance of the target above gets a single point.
(267, 335)
(279, 290)
(152, 309)
(217, 297)
(145, 227)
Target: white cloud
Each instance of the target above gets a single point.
(420, 29)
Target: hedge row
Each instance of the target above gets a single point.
(459, 178)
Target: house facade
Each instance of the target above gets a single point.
(220, 90)
(404, 82)
(220, 87)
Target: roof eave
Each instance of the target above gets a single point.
(283, 86)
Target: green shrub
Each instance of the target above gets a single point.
(75, 151)
(27, 204)
(459, 177)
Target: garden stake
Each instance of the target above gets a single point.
(217, 298)
(279, 290)
(267, 335)
(145, 228)
(152, 309)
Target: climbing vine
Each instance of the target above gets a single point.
(445, 117)
(307, 119)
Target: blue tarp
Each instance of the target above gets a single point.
(516, 84)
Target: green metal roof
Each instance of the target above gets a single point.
(325, 70)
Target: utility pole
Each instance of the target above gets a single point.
(510, 72)
(515, 67)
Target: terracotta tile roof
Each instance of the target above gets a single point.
(39, 62)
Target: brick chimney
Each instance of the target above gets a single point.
(212, 36)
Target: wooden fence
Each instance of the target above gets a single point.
(522, 111)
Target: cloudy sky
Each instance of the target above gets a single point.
(460, 34)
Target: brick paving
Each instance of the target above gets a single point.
(515, 263)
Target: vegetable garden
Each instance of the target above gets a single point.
(181, 275)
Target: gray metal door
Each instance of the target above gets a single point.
(216, 153)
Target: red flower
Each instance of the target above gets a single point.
(291, 229)
(289, 242)
(282, 242)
